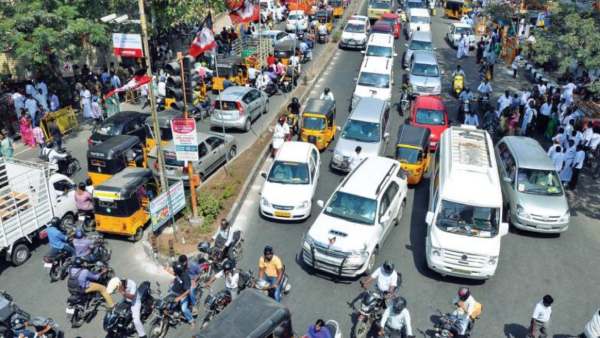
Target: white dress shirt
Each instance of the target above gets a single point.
(397, 321)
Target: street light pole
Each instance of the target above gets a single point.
(155, 126)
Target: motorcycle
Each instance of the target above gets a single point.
(405, 98)
(458, 84)
(8, 310)
(334, 328)
(83, 307)
(214, 304)
(247, 280)
(369, 312)
(322, 37)
(118, 322)
(215, 256)
(448, 325)
(69, 165)
(58, 265)
(46, 323)
(87, 220)
(169, 314)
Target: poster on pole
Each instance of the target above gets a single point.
(185, 139)
(167, 205)
(127, 45)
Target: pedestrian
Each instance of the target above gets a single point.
(39, 138)
(528, 117)
(540, 320)
(31, 106)
(115, 81)
(513, 121)
(42, 92)
(25, 127)
(515, 65)
(29, 88)
(479, 51)
(54, 102)
(55, 134)
(144, 95)
(471, 119)
(85, 100)
(577, 166)
(544, 116)
(566, 172)
(485, 87)
(18, 102)
(460, 50)
(356, 158)
(6, 146)
(557, 157)
(503, 102)
(568, 92)
(592, 328)
(132, 296)
(97, 113)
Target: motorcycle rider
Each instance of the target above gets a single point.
(322, 30)
(83, 246)
(54, 157)
(270, 269)
(84, 200)
(128, 290)
(223, 238)
(86, 280)
(57, 239)
(318, 330)
(466, 308)
(458, 71)
(395, 321)
(294, 106)
(327, 95)
(231, 276)
(18, 325)
(263, 80)
(281, 133)
(182, 288)
(386, 280)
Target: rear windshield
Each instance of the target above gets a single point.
(373, 50)
(380, 4)
(109, 129)
(420, 45)
(225, 105)
(430, 116)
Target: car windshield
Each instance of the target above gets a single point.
(419, 19)
(538, 182)
(464, 30)
(354, 28)
(225, 105)
(109, 129)
(295, 17)
(374, 80)
(408, 155)
(468, 220)
(420, 45)
(171, 159)
(416, 4)
(288, 173)
(313, 123)
(352, 208)
(380, 51)
(382, 28)
(430, 116)
(380, 4)
(425, 69)
(361, 131)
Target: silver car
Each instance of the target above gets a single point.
(531, 187)
(214, 150)
(419, 41)
(425, 75)
(365, 127)
(237, 107)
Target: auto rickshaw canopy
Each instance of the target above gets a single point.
(251, 315)
(164, 123)
(123, 184)
(230, 66)
(412, 137)
(113, 147)
(454, 4)
(320, 107)
(284, 49)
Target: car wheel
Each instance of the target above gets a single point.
(247, 125)
(371, 263)
(231, 153)
(139, 234)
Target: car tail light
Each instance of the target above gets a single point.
(90, 141)
(240, 108)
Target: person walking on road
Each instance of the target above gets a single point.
(460, 50)
(26, 130)
(528, 117)
(592, 328)
(577, 166)
(540, 320)
(6, 146)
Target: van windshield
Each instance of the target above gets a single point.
(352, 208)
(538, 182)
(468, 220)
(383, 51)
(361, 131)
(374, 80)
(419, 19)
(420, 45)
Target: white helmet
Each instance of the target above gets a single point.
(113, 285)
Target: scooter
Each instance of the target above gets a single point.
(322, 37)
(214, 304)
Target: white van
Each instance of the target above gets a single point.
(464, 218)
(418, 19)
(381, 45)
(375, 79)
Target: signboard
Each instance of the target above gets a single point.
(127, 45)
(161, 209)
(185, 139)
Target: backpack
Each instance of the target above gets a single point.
(73, 283)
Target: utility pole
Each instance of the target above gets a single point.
(155, 126)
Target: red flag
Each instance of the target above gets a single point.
(204, 40)
(249, 12)
(136, 82)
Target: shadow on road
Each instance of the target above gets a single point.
(585, 199)
(515, 330)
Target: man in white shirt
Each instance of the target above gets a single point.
(386, 279)
(588, 133)
(356, 158)
(128, 289)
(252, 73)
(592, 328)
(557, 156)
(544, 116)
(31, 106)
(541, 317)
(327, 95)
(577, 166)
(503, 102)
(280, 134)
(29, 88)
(485, 87)
(18, 102)
(568, 92)
(231, 276)
(528, 117)
(395, 320)
(466, 308)
(542, 88)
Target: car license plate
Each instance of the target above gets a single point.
(282, 214)
(465, 272)
(70, 311)
(47, 265)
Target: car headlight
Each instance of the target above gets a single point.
(435, 251)
(493, 260)
(303, 205)
(307, 241)
(337, 156)
(521, 212)
(566, 217)
(264, 202)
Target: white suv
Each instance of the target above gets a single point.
(291, 182)
(350, 230)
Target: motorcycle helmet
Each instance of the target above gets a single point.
(294, 100)
(399, 305)
(78, 233)
(55, 222)
(463, 293)
(18, 322)
(228, 265)
(388, 267)
(204, 247)
(77, 262)
(268, 250)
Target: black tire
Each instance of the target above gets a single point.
(89, 226)
(139, 234)
(77, 319)
(159, 329)
(54, 273)
(68, 220)
(231, 153)
(371, 263)
(247, 125)
(361, 329)
(20, 254)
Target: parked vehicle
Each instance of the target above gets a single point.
(30, 195)
(214, 304)
(214, 257)
(237, 107)
(464, 222)
(113, 155)
(351, 229)
(533, 194)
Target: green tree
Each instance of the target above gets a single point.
(172, 13)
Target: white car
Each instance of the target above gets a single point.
(457, 29)
(296, 21)
(351, 229)
(363, 18)
(291, 182)
(355, 35)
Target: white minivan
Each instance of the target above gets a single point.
(381, 45)
(418, 19)
(375, 79)
(464, 218)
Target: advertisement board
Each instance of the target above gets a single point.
(127, 45)
(185, 139)
(162, 209)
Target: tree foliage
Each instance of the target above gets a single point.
(500, 12)
(173, 13)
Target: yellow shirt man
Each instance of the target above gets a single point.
(271, 267)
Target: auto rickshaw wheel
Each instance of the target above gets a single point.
(139, 234)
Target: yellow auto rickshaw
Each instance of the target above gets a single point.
(318, 123)
(412, 151)
(121, 203)
(164, 124)
(113, 155)
(232, 69)
(455, 9)
(324, 17)
(338, 8)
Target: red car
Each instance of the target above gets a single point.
(430, 112)
(394, 20)
(381, 26)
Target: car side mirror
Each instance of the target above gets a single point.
(384, 219)
(363, 51)
(503, 228)
(429, 218)
(263, 174)
(507, 179)
(395, 54)
(320, 203)
(406, 45)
